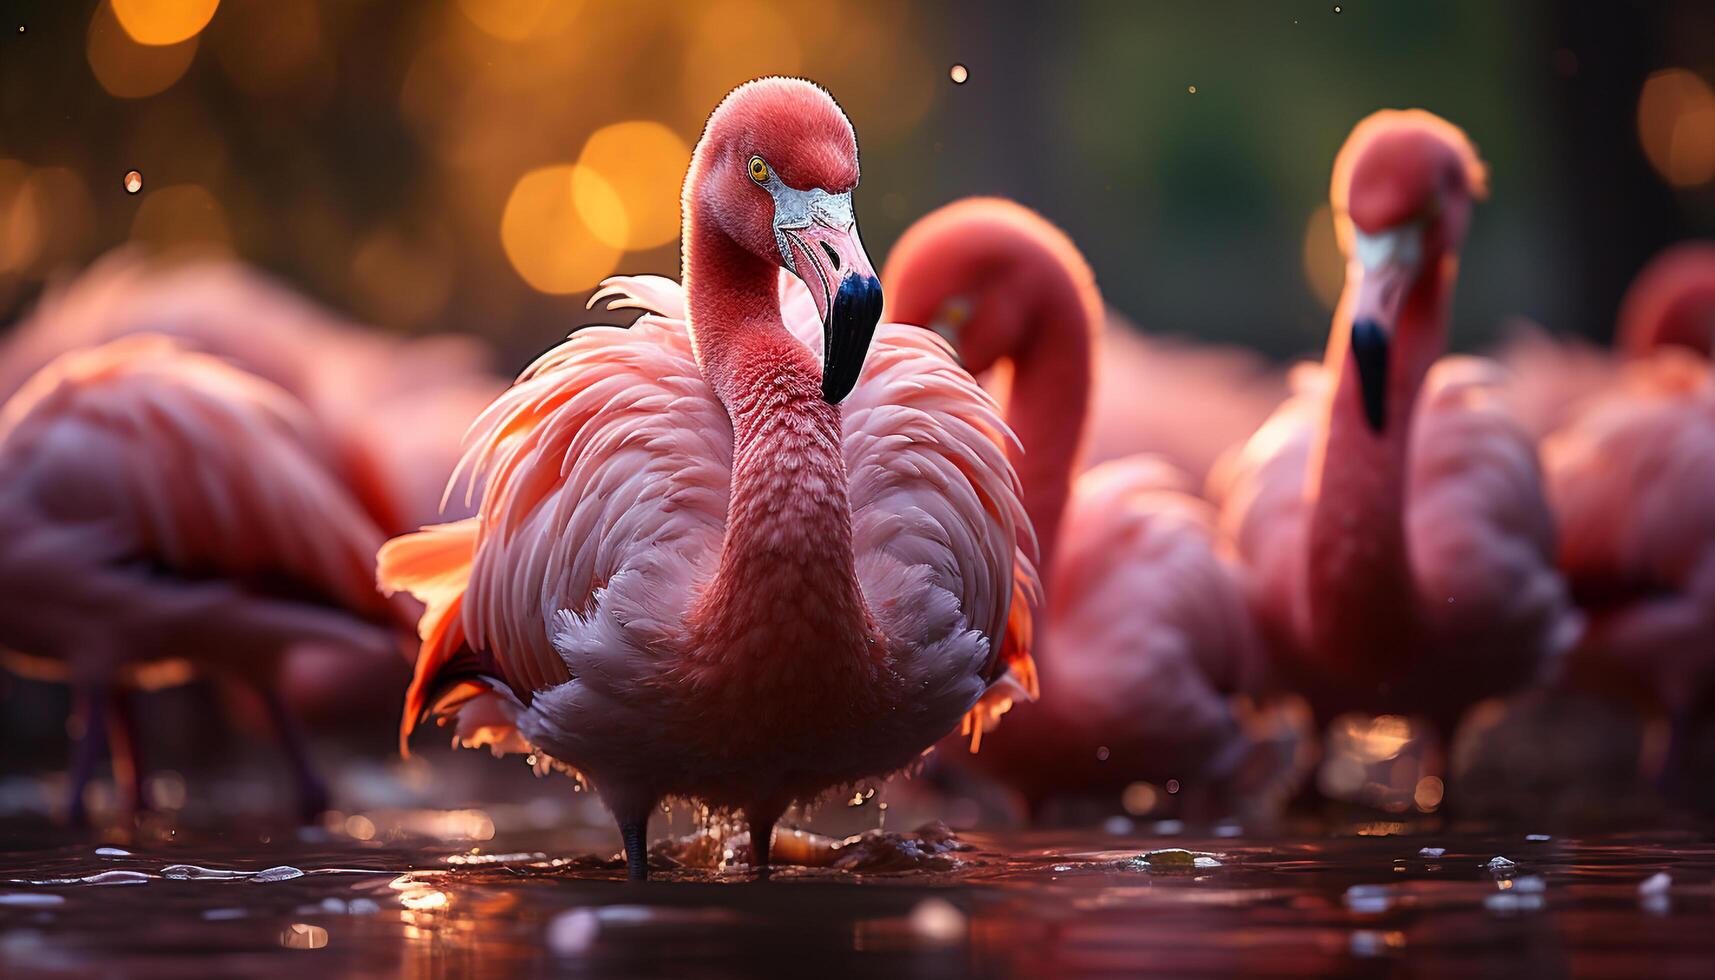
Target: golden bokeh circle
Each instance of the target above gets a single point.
(128, 69)
(1676, 125)
(183, 215)
(643, 162)
(163, 22)
(546, 237)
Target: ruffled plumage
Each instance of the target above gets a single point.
(605, 476)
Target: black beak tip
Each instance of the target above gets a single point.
(1370, 353)
(852, 319)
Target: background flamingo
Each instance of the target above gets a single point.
(1669, 303)
(1630, 480)
(1392, 510)
(395, 408)
(1186, 402)
(690, 574)
(1145, 628)
(166, 514)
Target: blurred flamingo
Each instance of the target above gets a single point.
(1187, 402)
(691, 574)
(1671, 303)
(1630, 481)
(1145, 627)
(395, 408)
(166, 514)
(1392, 511)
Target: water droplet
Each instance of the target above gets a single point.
(1336, 8)
(112, 852)
(1656, 884)
(302, 935)
(1498, 863)
(1368, 899)
(1101, 753)
(1431, 852)
(30, 900)
(1537, 837)
(1192, 89)
(938, 921)
(183, 872)
(133, 181)
(1172, 786)
(284, 872)
(959, 74)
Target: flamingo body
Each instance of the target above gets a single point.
(1144, 629)
(160, 506)
(394, 409)
(689, 573)
(1392, 511)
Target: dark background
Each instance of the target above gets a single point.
(365, 150)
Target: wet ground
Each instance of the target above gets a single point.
(1367, 899)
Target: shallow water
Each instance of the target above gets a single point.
(1362, 901)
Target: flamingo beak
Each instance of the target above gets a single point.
(1386, 265)
(833, 263)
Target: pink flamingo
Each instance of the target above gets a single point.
(691, 574)
(394, 408)
(1188, 402)
(1145, 626)
(1392, 512)
(1668, 304)
(1629, 479)
(165, 514)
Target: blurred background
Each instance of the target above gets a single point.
(478, 165)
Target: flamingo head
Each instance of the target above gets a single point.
(1672, 302)
(1404, 185)
(981, 272)
(775, 170)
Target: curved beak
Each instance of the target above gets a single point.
(1381, 293)
(833, 263)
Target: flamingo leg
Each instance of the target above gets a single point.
(762, 819)
(634, 831)
(91, 705)
(312, 791)
(129, 771)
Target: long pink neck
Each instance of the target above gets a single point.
(1048, 403)
(786, 565)
(1361, 590)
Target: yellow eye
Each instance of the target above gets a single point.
(758, 170)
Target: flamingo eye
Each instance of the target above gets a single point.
(758, 170)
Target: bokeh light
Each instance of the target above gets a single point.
(164, 22)
(545, 234)
(272, 48)
(1676, 124)
(736, 40)
(644, 163)
(1324, 266)
(181, 216)
(131, 70)
(517, 20)
(20, 224)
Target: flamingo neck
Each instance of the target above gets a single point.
(786, 581)
(1047, 401)
(1361, 589)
